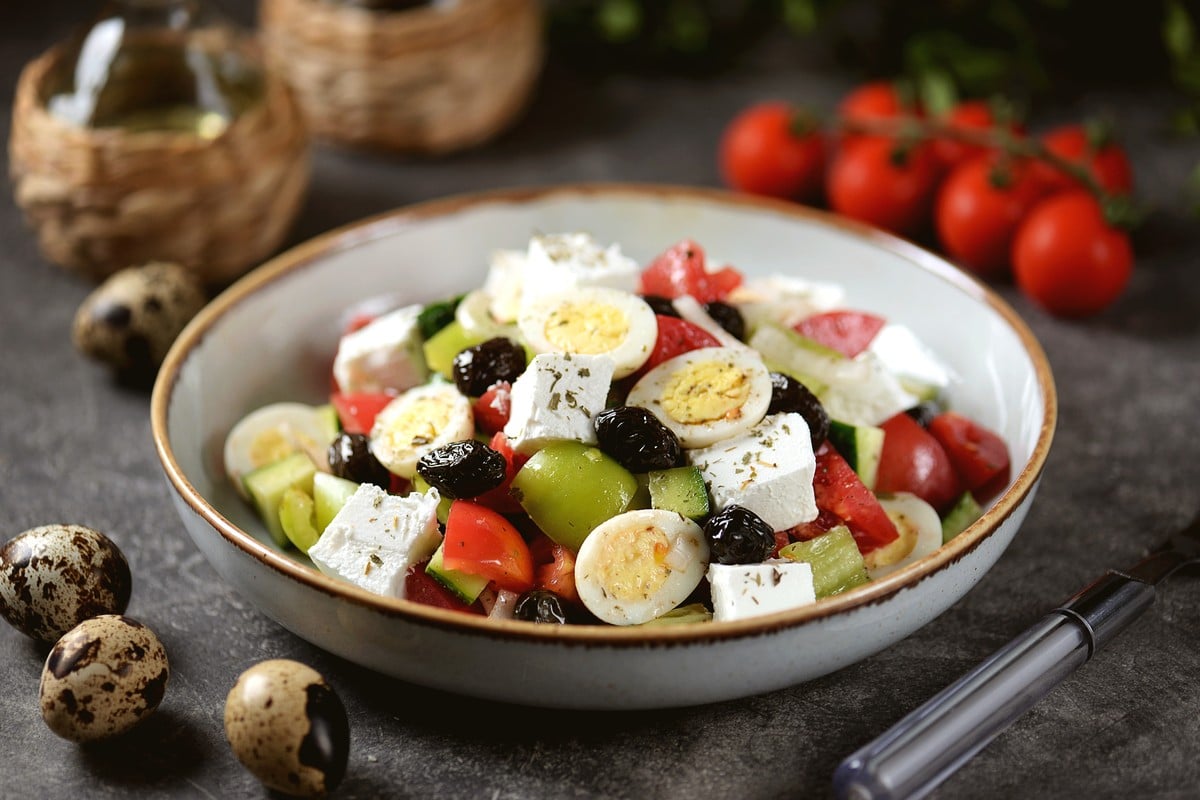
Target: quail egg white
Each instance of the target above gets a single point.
(920, 531)
(103, 677)
(639, 565)
(288, 727)
(273, 432)
(592, 321)
(706, 395)
(420, 421)
(54, 577)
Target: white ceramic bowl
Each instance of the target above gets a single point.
(271, 337)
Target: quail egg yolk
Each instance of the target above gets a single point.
(419, 424)
(895, 551)
(634, 562)
(276, 443)
(705, 391)
(586, 328)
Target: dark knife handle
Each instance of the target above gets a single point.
(928, 745)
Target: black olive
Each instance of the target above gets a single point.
(728, 317)
(789, 394)
(924, 412)
(636, 439)
(541, 605)
(463, 469)
(660, 305)
(350, 457)
(737, 535)
(478, 367)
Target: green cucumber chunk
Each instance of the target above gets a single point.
(436, 316)
(569, 488)
(267, 484)
(463, 585)
(641, 498)
(817, 387)
(692, 612)
(330, 422)
(837, 565)
(861, 446)
(298, 518)
(441, 348)
(964, 511)
(443, 510)
(681, 490)
(330, 493)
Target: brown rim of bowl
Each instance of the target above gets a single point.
(373, 227)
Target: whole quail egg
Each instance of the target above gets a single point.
(130, 320)
(288, 727)
(103, 678)
(54, 577)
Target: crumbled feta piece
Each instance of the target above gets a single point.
(768, 469)
(862, 391)
(750, 590)
(503, 284)
(908, 358)
(383, 355)
(564, 261)
(376, 537)
(556, 397)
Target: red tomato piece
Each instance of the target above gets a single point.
(424, 589)
(840, 492)
(675, 337)
(681, 270)
(878, 100)
(499, 499)
(978, 454)
(824, 523)
(876, 181)
(554, 568)
(979, 208)
(493, 407)
(848, 332)
(358, 411)
(970, 115)
(914, 461)
(358, 322)
(481, 542)
(1068, 259)
(764, 151)
(1105, 160)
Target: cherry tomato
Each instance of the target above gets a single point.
(492, 408)
(358, 411)
(681, 270)
(874, 180)
(978, 454)
(979, 208)
(971, 115)
(420, 587)
(872, 101)
(848, 332)
(1107, 163)
(1068, 259)
(840, 493)
(480, 542)
(554, 568)
(499, 499)
(357, 322)
(914, 461)
(765, 151)
(675, 337)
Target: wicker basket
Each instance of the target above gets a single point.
(426, 80)
(102, 199)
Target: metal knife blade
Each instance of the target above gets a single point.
(1180, 550)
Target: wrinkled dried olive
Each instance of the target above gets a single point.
(477, 368)
(924, 413)
(463, 469)
(541, 605)
(350, 457)
(636, 439)
(737, 535)
(728, 317)
(789, 394)
(660, 305)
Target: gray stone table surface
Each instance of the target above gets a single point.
(1124, 469)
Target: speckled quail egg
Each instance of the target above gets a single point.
(592, 320)
(288, 727)
(54, 577)
(130, 320)
(103, 677)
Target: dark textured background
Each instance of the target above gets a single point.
(74, 447)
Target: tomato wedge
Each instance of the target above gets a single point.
(978, 454)
(555, 568)
(492, 408)
(848, 332)
(840, 492)
(358, 411)
(675, 337)
(424, 589)
(481, 542)
(681, 270)
(914, 461)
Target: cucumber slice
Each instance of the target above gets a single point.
(327, 417)
(443, 511)
(680, 490)
(861, 446)
(267, 485)
(692, 612)
(330, 493)
(965, 511)
(298, 518)
(817, 387)
(837, 565)
(465, 586)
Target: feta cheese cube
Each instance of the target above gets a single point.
(503, 284)
(383, 355)
(376, 537)
(556, 397)
(862, 391)
(768, 469)
(750, 590)
(907, 357)
(564, 261)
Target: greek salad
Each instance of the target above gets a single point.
(583, 440)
